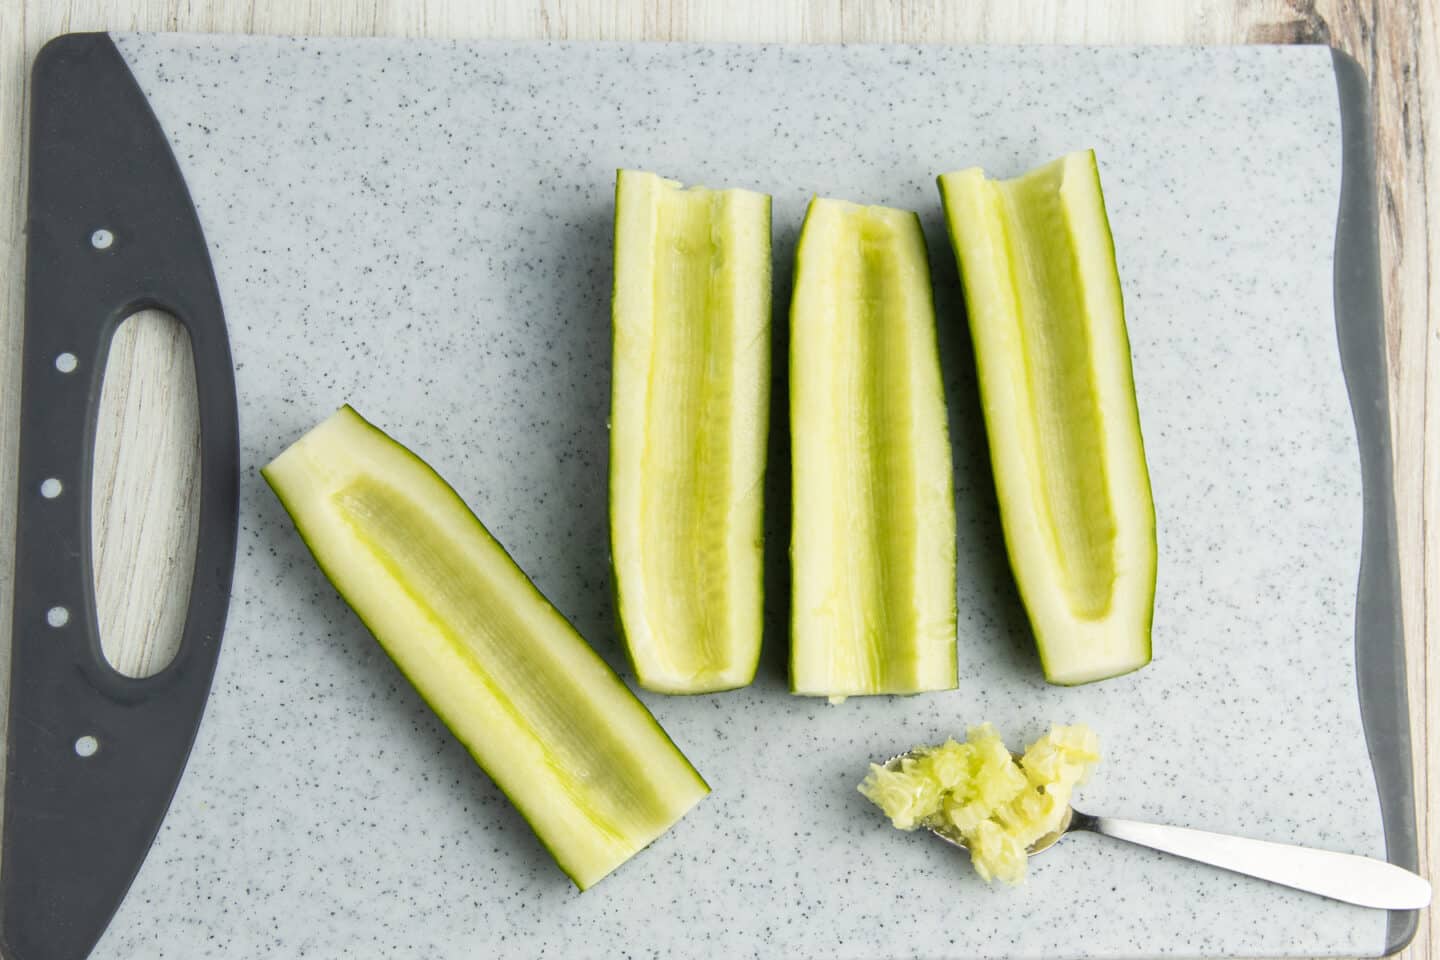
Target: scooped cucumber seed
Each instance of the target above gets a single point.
(977, 789)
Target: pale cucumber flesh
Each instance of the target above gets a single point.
(582, 759)
(997, 804)
(689, 405)
(1047, 320)
(873, 536)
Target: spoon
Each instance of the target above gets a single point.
(1340, 876)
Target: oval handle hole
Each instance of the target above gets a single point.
(145, 495)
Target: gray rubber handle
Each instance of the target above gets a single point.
(93, 756)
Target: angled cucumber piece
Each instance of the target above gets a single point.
(1048, 323)
(873, 548)
(582, 759)
(689, 406)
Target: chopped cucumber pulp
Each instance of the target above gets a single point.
(978, 790)
(690, 395)
(1037, 261)
(582, 759)
(873, 548)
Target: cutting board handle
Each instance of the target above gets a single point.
(1379, 631)
(94, 757)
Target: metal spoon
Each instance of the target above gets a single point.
(1340, 876)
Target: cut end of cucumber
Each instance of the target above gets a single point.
(873, 548)
(581, 758)
(1047, 319)
(690, 392)
(836, 692)
(708, 680)
(1095, 663)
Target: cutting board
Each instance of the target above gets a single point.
(423, 230)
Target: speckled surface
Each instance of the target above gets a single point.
(423, 230)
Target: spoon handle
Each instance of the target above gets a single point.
(1340, 876)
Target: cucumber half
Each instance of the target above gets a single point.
(690, 401)
(582, 759)
(873, 539)
(1046, 316)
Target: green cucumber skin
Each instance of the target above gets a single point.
(1011, 556)
(299, 529)
(753, 666)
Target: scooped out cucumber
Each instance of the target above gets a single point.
(690, 395)
(978, 791)
(873, 537)
(582, 759)
(1048, 323)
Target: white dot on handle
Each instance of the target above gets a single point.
(102, 239)
(87, 746)
(51, 488)
(57, 616)
(66, 363)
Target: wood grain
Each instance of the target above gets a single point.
(146, 492)
(1395, 40)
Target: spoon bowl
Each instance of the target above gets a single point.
(952, 836)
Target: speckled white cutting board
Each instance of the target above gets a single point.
(423, 230)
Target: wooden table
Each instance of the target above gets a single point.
(142, 508)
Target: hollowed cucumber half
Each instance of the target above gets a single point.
(690, 394)
(1048, 323)
(582, 759)
(873, 538)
